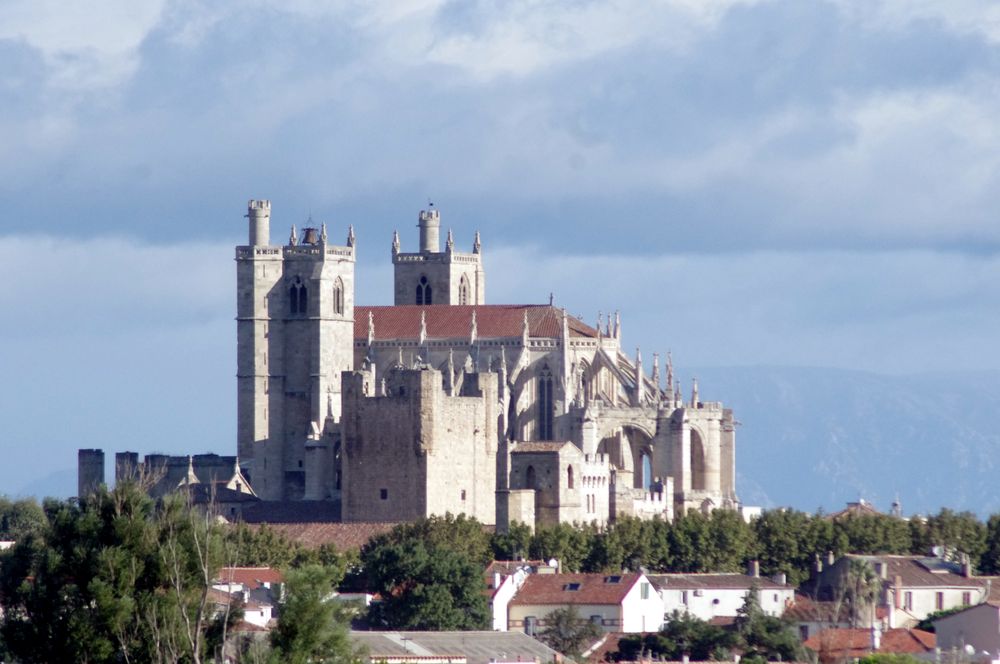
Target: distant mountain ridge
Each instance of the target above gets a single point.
(812, 438)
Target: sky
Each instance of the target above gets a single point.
(750, 182)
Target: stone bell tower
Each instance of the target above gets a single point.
(295, 334)
(431, 276)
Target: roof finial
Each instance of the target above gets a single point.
(552, 298)
(400, 359)
(670, 373)
(371, 327)
(656, 371)
(423, 327)
(350, 235)
(477, 246)
(473, 329)
(322, 233)
(293, 239)
(329, 401)
(395, 242)
(600, 324)
(618, 326)
(694, 393)
(525, 330)
(449, 244)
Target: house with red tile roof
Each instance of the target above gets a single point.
(910, 587)
(504, 578)
(842, 645)
(625, 602)
(442, 402)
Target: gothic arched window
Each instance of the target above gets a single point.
(463, 290)
(424, 292)
(545, 404)
(338, 296)
(569, 477)
(297, 297)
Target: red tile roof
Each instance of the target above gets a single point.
(343, 536)
(806, 609)
(251, 577)
(850, 643)
(914, 573)
(591, 589)
(453, 321)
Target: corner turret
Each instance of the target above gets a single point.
(430, 230)
(259, 214)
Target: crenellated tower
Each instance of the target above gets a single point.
(295, 333)
(432, 276)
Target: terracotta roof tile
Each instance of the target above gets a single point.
(251, 577)
(914, 574)
(589, 589)
(806, 609)
(453, 321)
(343, 536)
(850, 643)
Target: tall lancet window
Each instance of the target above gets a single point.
(463, 290)
(298, 301)
(424, 294)
(338, 296)
(545, 404)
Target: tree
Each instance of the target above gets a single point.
(568, 633)
(424, 585)
(863, 588)
(513, 544)
(683, 634)
(989, 562)
(764, 638)
(569, 544)
(309, 628)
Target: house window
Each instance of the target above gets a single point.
(463, 494)
(383, 494)
(939, 601)
(966, 598)
(644, 591)
(545, 405)
(597, 620)
(684, 597)
(803, 632)
(908, 601)
(571, 586)
(530, 625)
(569, 477)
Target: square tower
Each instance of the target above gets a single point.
(432, 276)
(295, 335)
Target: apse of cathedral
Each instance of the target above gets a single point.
(444, 403)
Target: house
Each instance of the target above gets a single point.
(453, 648)
(710, 596)
(812, 616)
(841, 645)
(977, 626)
(911, 587)
(614, 602)
(504, 578)
(259, 588)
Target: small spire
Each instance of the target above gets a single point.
(450, 378)
(656, 371)
(552, 298)
(322, 234)
(565, 328)
(449, 244)
(678, 398)
(395, 242)
(371, 327)
(525, 330)
(640, 379)
(503, 364)
(600, 324)
(670, 373)
(293, 239)
(350, 236)
(473, 329)
(694, 393)
(477, 246)
(329, 402)
(607, 332)
(400, 359)
(423, 327)
(618, 325)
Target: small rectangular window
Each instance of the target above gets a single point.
(383, 494)
(908, 601)
(939, 601)
(644, 591)
(463, 494)
(966, 598)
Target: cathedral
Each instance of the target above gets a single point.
(444, 403)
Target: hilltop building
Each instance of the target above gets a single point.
(444, 403)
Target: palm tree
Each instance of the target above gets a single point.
(864, 588)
